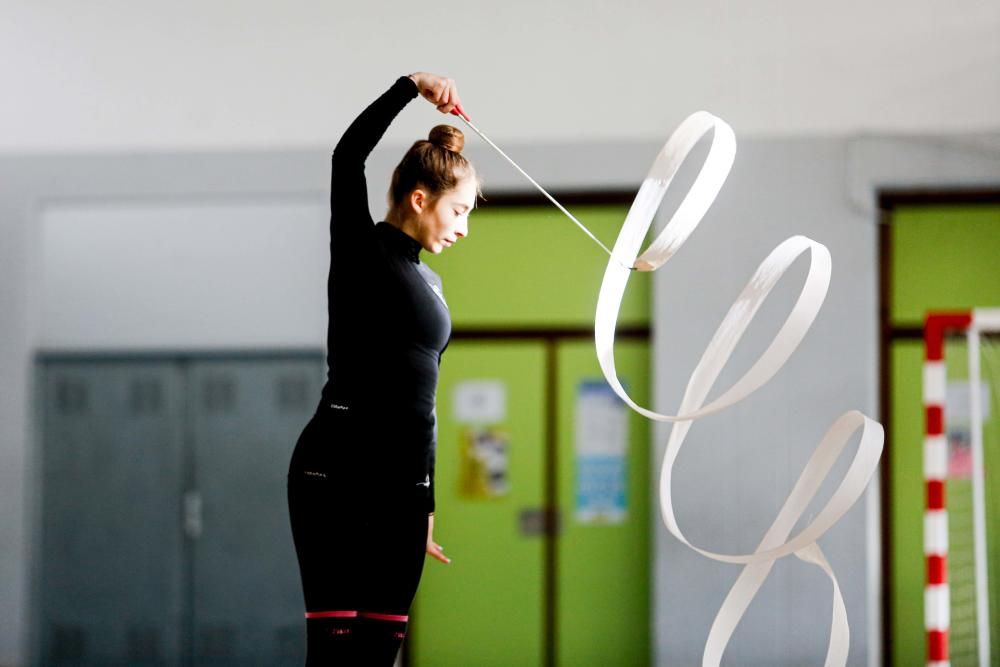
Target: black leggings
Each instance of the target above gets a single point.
(360, 544)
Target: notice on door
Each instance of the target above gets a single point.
(480, 411)
(601, 425)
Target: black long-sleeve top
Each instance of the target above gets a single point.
(389, 323)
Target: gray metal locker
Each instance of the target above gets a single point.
(110, 571)
(246, 417)
(164, 536)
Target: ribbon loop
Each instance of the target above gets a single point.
(776, 542)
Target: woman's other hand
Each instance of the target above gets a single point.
(438, 90)
(433, 548)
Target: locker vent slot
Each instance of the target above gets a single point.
(143, 642)
(145, 396)
(289, 641)
(292, 394)
(219, 394)
(71, 396)
(68, 643)
(217, 641)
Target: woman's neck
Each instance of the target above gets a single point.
(408, 227)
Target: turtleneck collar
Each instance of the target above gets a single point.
(400, 241)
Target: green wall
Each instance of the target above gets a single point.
(532, 266)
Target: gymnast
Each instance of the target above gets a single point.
(361, 476)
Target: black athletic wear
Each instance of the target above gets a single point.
(389, 323)
(360, 479)
(360, 556)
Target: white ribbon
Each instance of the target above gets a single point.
(625, 259)
(776, 542)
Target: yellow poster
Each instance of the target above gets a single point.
(483, 466)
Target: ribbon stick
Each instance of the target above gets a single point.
(625, 257)
(461, 114)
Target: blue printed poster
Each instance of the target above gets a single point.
(601, 425)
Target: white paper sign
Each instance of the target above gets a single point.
(480, 402)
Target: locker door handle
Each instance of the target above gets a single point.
(538, 521)
(192, 514)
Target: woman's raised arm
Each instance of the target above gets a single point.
(351, 219)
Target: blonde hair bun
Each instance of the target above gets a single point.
(447, 137)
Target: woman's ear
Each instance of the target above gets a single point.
(418, 201)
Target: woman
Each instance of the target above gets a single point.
(361, 477)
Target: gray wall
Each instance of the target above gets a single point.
(188, 75)
(819, 187)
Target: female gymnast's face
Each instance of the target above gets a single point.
(443, 221)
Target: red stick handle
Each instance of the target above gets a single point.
(458, 111)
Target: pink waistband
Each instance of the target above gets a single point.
(351, 614)
(384, 617)
(331, 614)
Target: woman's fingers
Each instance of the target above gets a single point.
(433, 89)
(449, 96)
(444, 103)
(443, 106)
(435, 551)
(438, 90)
(441, 92)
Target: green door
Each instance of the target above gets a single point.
(603, 588)
(485, 607)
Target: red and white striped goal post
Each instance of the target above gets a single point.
(937, 598)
